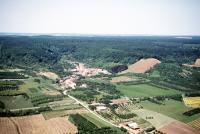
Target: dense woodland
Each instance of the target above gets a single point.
(86, 127)
(51, 52)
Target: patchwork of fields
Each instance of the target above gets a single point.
(36, 124)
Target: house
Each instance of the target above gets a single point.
(83, 86)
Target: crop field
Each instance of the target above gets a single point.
(7, 126)
(177, 127)
(171, 108)
(195, 124)
(192, 101)
(36, 124)
(31, 86)
(92, 118)
(145, 90)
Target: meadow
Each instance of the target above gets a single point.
(145, 90)
(15, 102)
(171, 108)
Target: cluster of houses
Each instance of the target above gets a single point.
(81, 69)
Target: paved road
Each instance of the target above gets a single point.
(86, 106)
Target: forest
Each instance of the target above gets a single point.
(113, 53)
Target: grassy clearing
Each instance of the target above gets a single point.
(144, 90)
(172, 109)
(98, 122)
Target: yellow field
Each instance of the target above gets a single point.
(192, 101)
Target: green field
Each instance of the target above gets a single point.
(144, 90)
(94, 119)
(172, 109)
(15, 102)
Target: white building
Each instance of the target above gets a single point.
(133, 125)
(101, 108)
(83, 86)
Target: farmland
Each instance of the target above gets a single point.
(61, 113)
(156, 119)
(180, 128)
(195, 124)
(192, 101)
(13, 102)
(171, 108)
(36, 124)
(142, 65)
(145, 90)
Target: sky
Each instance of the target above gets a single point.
(148, 17)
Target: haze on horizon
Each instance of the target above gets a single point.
(154, 17)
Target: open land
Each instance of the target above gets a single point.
(171, 108)
(142, 65)
(144, 90)
(36, 124)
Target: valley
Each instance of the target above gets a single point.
(114, 85)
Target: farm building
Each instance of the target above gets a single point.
(133, 125)
(83, 86)
(101, 108)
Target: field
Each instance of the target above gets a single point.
(195, 124)
(12, 102)
(94, 119)
(144, 90)
(178, 128)
(121, 79)
(192, 101)
(142, 65)
(49, 75)
(31, 85)
(61, 113)
(171, 108)
(156, 119)
(36, 124)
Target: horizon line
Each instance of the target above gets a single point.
(90, 34)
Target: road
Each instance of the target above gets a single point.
(86, 106)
